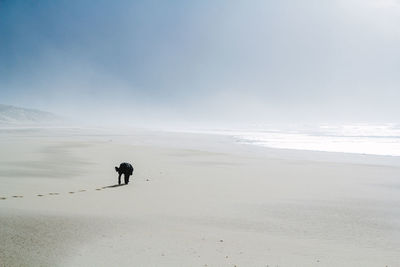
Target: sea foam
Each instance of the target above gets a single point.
(381, 139)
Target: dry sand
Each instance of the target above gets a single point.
(194, 200)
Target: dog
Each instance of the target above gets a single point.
(126, 169)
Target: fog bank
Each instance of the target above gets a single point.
(156, 63)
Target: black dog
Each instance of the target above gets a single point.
(126, 169)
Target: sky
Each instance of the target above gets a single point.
(205, 62)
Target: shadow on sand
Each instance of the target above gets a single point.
(113, 186)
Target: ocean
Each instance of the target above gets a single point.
(374, 139)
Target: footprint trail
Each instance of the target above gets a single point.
(70, 192)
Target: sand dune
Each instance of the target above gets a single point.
(195, 200)
(17, 116)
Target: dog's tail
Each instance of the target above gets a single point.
(116, 169)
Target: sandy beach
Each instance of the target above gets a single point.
(193, 200)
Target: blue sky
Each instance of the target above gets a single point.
(189, 61)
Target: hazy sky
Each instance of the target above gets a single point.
(203, 61)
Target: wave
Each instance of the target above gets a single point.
(383, 139)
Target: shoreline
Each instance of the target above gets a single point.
(185, 140)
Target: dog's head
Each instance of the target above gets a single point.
(116, 169)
